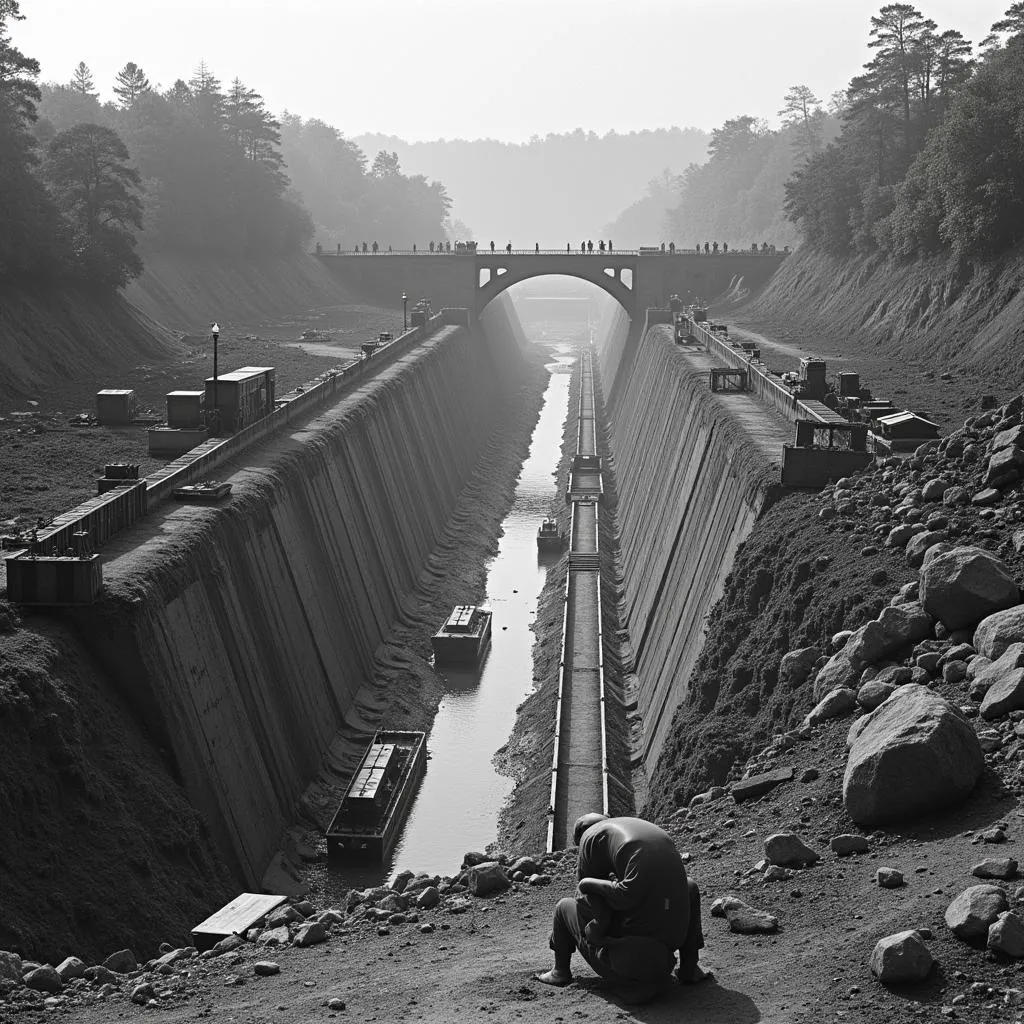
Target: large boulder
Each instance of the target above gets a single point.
(1006, 935)
(901, 958)
(996, 632)
(840, 701)
(912, 754)
(10, 967)
(962, 586)
(969, 916)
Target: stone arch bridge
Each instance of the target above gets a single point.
(636, 279)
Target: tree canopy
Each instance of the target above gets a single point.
(930, 158)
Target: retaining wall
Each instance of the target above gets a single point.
(242, 634)
(690, 486)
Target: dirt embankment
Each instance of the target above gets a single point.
(187, 293)
(902, 325)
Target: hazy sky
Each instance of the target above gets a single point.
(507, 69)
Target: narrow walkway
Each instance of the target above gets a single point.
(580, 778)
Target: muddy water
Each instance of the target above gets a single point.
(458, 803)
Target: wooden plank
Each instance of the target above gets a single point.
(235, 918)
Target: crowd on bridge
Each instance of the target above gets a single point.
(586, 247)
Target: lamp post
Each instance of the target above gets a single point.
(215, 334)
(405, 319)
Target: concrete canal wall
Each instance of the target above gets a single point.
(693, 471)
(243, 634)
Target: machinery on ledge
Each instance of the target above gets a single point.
(208, 490)
(549, 537)
(369, 347)
(464, 635)
(378, 798)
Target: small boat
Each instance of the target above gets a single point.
(464, 636)
(208, 490)
(549, 537)
(378, 798)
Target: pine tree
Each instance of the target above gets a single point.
(385, 165)
(207, 98)
(1012, 23)
(802, 113)
(82, 81)
(129, 84)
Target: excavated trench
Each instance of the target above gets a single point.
(258, 644)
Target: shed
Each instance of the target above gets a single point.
(907, 425)
(115, 407)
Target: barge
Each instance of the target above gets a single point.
(378, 798)
(464, 636)
(549, 537)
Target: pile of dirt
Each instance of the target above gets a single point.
(100, 847)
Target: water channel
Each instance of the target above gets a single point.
(462, 794)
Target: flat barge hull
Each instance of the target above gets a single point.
(464, 637)
(352, 836)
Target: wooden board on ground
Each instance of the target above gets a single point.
(235, 918)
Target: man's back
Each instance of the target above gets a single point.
(649, 894)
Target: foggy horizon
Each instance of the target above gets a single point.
(455, 69)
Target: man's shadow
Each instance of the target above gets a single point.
(708, 1001)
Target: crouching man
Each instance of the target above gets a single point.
(633, 910)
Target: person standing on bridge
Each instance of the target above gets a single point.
(633, 909)
(536, 247)
(600, 245)
(508, 248)
(590, 246)
(492, 245)
(609, 245)
(583, 247)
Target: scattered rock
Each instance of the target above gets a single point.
(1004, 868)
(70, 968)
(486, 878)
(459, 905)
(143, 993)
(787, 849)
(335, 1003)
(997, 632)
(43, 979)
(809, 775)
(797, 665)
(1002, 683)
(1006, 935)
(873, 693)
(121, 962)
(971, 913)
(890, 878)
(745, 920)
(902, 957)
(428, 898)
(311, 933)
(965, 585)
(845, 845)
(265, 968)
(757, 785)
(10, 967)
(540, 879)
(914, 753)
(840, 701)
(527, 865)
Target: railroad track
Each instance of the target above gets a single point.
(579, 768)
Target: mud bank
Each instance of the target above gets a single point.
(242, 636)
(693, 472)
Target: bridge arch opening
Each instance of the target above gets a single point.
(609, 275)
(558, 308)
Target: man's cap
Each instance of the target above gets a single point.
(584, 822)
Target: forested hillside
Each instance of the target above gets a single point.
(89, 187)
(552, 190)
(921, 155)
